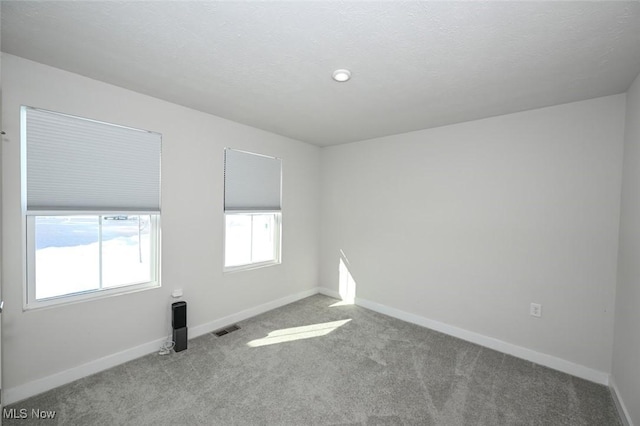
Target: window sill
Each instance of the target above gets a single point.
(250, 266)
(88, 296)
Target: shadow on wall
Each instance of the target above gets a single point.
(346, 283)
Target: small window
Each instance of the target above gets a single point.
(253, 217)
(92, 208)
(252, 239)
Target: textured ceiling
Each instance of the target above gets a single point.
(415, 65)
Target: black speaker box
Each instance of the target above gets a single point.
(179, 315)
(179, 325)
(180, 339)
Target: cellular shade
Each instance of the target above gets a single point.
(251, 181)
(79, 164)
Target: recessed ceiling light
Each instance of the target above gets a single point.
(341, 75)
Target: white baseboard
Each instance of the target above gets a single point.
(18, 393)
(27, 390)
(329, 292)
(622, 409)
(248, 313)
(489, 342)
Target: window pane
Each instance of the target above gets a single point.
(67, 255)
(263, 248)
(237, 240)
(126, 250)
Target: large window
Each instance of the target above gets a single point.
(252, 210)
(92, 208)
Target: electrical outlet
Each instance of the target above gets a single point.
(535, 310)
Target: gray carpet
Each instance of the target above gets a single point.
(353, 367)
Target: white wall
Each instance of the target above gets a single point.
(38, 344)
(626, 351)
(466, 225)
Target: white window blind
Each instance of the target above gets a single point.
(74, 163)
(251, 181)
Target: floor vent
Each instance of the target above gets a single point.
(226, 330)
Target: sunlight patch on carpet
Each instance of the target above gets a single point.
(298, 333)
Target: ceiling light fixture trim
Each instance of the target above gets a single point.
(341, 75)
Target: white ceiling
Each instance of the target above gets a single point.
(415, 65)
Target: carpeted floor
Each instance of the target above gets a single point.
(310, 363)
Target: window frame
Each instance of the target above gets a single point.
(30, 301)
(28, 227)
(277, 241)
